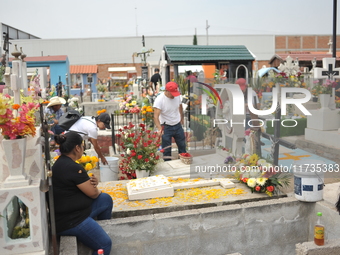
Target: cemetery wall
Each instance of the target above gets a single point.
(285, 43)
(272, 226)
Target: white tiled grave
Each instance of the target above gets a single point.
(159, 186)
(149, 187)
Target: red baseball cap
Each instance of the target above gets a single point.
(172, 87)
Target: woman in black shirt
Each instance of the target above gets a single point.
(78, 202)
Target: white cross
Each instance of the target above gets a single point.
(290, 67)
(327, 71)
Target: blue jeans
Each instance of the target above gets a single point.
(177, 133)
(56, 129)
(89, 232)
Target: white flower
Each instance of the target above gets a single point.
(128, 151)
(261, 181)
(251, 182)
(75, 99)
(261, 162)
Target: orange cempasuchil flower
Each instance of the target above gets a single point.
(16, 106)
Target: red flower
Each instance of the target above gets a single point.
(157, 157)
(122, 155)
(257, 188)
(185, 154)
(146, 160)
(152, 154)
(125, 127)
(148, 131)
(142, 125)
(270, 188)
(162, 150)
(140, 156)
(245, 180)
(145, 144)
(133, 154)
(132, 135)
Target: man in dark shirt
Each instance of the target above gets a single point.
(156, 78)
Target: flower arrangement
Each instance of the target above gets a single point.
(290, 80)
(324, 88)
(74, 103)
(129, 104)
(88, 162)
(101, 111)
(17, 121)
(101, 87)
(140, 149)
(259, 175)
(147, 113)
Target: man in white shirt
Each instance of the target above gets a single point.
(88, 126)
(169, 118)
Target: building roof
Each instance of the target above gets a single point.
(61, 58)
(195, 53)
(83, 69)
(302, 56)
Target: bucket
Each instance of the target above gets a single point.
(309, 179)
(109, 172)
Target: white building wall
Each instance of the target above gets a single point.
(88, 51)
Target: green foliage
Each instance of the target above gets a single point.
(195, 40)
(289, 131)
(199, 125)
(20, 232)
(2, 71)
(182, 84)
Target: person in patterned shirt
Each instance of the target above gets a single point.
(53, 112)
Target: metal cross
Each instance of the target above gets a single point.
(330, 73)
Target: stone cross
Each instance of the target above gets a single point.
(24, 73)
(16, 77)
(290, 67)
(328, 71)
(7, 76)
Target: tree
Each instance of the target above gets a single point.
(195, 40)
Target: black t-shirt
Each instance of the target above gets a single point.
(156, 78)
(71, 205)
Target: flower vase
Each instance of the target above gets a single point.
(15, 153)
(324, 100)
(141, 173)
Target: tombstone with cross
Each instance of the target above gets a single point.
(23, 226)
(322, 122)
(328, 71)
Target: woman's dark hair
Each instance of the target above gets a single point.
(337, 205)
(68, 141)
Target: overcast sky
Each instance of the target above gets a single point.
(107, 18)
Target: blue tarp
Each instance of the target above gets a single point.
(263, 71)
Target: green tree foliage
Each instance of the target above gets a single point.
(195, 40)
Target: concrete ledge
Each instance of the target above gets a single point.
(309, 248)
(68, 245)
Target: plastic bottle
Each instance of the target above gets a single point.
(101, 251)
(319, 231)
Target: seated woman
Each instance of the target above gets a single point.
(77, 200)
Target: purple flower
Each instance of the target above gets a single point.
(228, 160)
